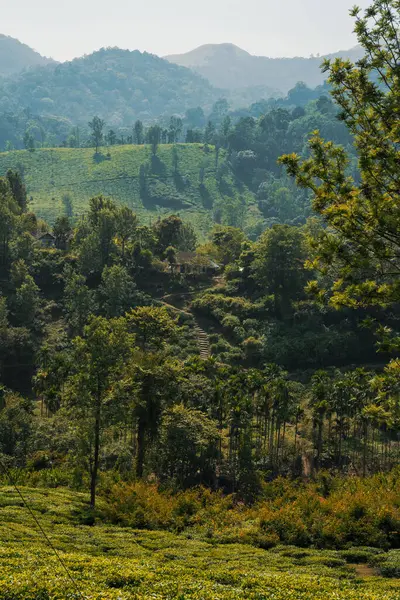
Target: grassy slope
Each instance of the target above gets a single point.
(109, 562)
(51, 173)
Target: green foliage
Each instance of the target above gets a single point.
(151, 325)
(361, 241)
(117, 291)
(278, 267)
(142, 86)
(98, 358)
(188, 447)
(116, 562)
(51, 175)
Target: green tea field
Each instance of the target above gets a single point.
(179, 179)
(109, 562)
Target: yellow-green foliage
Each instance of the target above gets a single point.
(110, 562)
(336, 514)
(52, 173)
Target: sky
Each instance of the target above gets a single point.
(65, 29)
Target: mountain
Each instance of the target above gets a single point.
(117, 85)
(227, 66)
(16, 56)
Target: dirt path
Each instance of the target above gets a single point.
(364, 571)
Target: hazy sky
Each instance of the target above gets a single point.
(64, 29)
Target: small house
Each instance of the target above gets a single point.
(47, 240)
(191, 263)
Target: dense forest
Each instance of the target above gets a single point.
(219, 377)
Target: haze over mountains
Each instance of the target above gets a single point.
(225, 65)
(16, 56)
(230, 67)
(121, 85)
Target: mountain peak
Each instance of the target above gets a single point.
(207, 52)
(16, 56)
(228, 66)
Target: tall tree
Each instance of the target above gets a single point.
(99, 359)
(18, 188)
(154, 137)
(62, 231)
(96, 126)
(126, 225)
(138, 133)
(279, 265)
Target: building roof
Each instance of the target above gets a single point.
(192, 258)
(46, 236)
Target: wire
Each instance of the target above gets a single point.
(49, 542)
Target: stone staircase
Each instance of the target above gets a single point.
(203, 341)
(201, 336)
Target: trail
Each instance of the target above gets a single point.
(201, 336)
(364, 571)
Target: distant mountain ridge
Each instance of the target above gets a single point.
(117, 85)
(228, 66)
(121, 86)
(16, 56)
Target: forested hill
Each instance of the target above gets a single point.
(118, 85)
(230, 67)
(16, 56)
(224, 172)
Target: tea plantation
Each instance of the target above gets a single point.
(179, 179)
(108, 562)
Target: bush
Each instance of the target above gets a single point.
(389, 564)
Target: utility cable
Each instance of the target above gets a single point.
(39, 526)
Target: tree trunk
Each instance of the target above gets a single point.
(141, 433)
(94, 471)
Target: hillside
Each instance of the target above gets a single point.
(16, 56)
(112, 562)
(227, 66)
(53, 174)
(117, 85)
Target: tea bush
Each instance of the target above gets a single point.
(108, 562)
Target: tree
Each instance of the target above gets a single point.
(27, 302)
(152, 325)
(361, 245)
(138, 133)
(15, 425)
(175, 130)
(279, 266)
(126, 225)
(154, 384)
(228, 243)
(62, 232)
(117, 291)
(188, 447)
(78, 300)
(96, 126)
(18, 188)
(153, 137)
(209, 133)
(99, 358)
(195, 118)
(95, 236)
(29, 141)
(111, 138)
(9, 211)
(172, 231)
